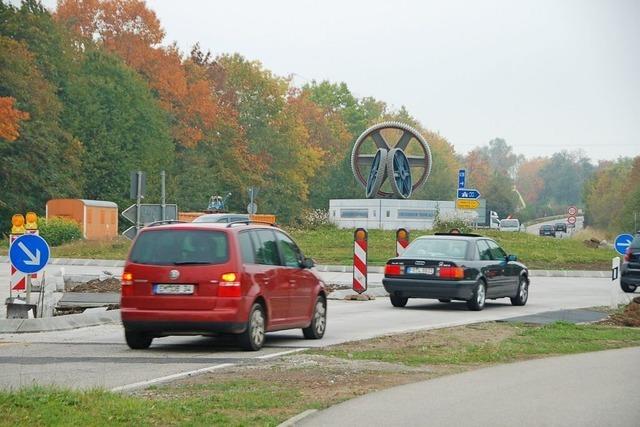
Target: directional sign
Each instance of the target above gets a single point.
(572, 211)
(621, 243)
(467, 204)
(462, 174)
(150, 213)
(468, 193)
(29, 253)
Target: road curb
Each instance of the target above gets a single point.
(59, 323)
(293, 420)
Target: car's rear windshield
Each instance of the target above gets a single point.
(509, 223)
(635, 243)
(437, 249)
(180, 247)
(547, 227)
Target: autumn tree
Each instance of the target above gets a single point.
(10, 118)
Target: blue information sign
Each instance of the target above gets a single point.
(29, 253)
(468, 193)
(622, 242)
(462, 175)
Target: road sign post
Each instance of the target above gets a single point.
(622, 243)
(615, 282)
(462, 177)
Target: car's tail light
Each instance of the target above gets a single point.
(451, 272)
(126, 283)
(392, 270)
(627, 255)
(229, 286)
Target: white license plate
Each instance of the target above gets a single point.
(171, 289)
(420, 270)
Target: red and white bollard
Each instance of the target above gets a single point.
(17, 280)
(402, 240)
(360, 260)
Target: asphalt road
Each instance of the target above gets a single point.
(535, 228)
(99, 357)
(592, 389)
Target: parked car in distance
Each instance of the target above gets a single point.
(452, 266)
(208, 278)
(561, 226)
(630, 268)
(547, 230)
(222, 217)
(511, 224)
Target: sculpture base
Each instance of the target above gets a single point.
(391, 214)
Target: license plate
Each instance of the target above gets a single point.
(420, 270)
(172, 289)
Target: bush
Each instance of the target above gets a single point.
(313, 218)
(57, 231)
(444, 225)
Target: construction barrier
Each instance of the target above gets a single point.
(360, 260)
(402, 240)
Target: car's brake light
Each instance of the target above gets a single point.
(392, 270)
(229, 286)
(627, 255)
(451, 272)
(125, 283)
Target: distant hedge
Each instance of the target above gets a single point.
(57, 231)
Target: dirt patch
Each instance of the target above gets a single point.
(96, 286)
(629, 317)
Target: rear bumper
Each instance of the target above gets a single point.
(459, 289)
(166, 327)
(629, 276)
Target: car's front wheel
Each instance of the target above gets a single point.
(137, 340)
(253, 338)
(397, 301)
(318, 321)
(476, 303)
(628, 288)
(523, 292)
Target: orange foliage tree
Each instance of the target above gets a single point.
(10, 118)
(529, 181)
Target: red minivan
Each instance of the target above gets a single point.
(201, 278)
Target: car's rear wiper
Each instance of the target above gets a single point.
(190, 262)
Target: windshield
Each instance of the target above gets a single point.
(509, 223)
(437, 248)
(178, 247)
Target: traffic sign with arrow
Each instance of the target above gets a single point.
(468, 193)
(621, 244)
(29, 253)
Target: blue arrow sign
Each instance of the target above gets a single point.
(622, 243)
(468, 193)
(462, 174)
(29, 253)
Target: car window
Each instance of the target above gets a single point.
(483, 248)
(437, 248)
(175, 247)
(267, 252)
(635, 243)
(496, 251)
(246, 248)
(291, 255)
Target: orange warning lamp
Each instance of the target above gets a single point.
(361, 234)
(17, 224)
(32, 221)
(402, 234)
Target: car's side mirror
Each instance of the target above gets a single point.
(512, 258)
(307, 263)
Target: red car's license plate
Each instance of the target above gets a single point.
(173, 289)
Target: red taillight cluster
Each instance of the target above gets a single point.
(229, 286)
(392, 270)
(627, 255)
(451, 272)
(125, 283)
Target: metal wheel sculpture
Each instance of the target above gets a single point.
(391, 161)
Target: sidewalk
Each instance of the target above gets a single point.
(589, 389)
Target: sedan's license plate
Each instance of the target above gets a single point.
(172, 289)
(420, 270)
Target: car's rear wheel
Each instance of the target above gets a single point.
(523, 292)
(444, 300)
(397, 301)
(628, 288)
(253, 338)
(318, 321)
(476, 303)
(137, 340)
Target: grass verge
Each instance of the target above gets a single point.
(270, 392)
(329, 245)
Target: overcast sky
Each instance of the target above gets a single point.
(545, 75)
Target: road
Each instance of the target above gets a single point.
(99, 357)
(535, 228)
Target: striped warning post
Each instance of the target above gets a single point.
(402, 240)
(360, 260)
(17, 280)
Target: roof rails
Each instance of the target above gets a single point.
(248, 222)
(166, 221)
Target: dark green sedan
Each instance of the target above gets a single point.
(454, 266)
